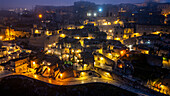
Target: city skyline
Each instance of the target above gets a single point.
(7, 4)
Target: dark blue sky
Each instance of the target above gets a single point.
(31, 3)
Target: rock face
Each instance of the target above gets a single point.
(24, 86)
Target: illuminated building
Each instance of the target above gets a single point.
(19, 65)
(100, 59)
(10, 34)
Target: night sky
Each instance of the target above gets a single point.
(31, 3)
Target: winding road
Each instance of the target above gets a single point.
(77, 81)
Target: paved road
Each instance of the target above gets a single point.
(5, 73)
(109, 68)
(75, 81)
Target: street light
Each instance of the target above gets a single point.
(101, 58)
(35, 76)
(88, 14)
(95, 14)
(40, 16)
(34, 62)
(61, 75)
(62, 35)
(100, 9)
(1, 37)
(82, 73)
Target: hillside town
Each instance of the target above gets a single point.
(127, 45)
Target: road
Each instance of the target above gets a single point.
(4, 73)
(76, 81)
(109, 68)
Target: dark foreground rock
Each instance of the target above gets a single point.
(24, 86)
